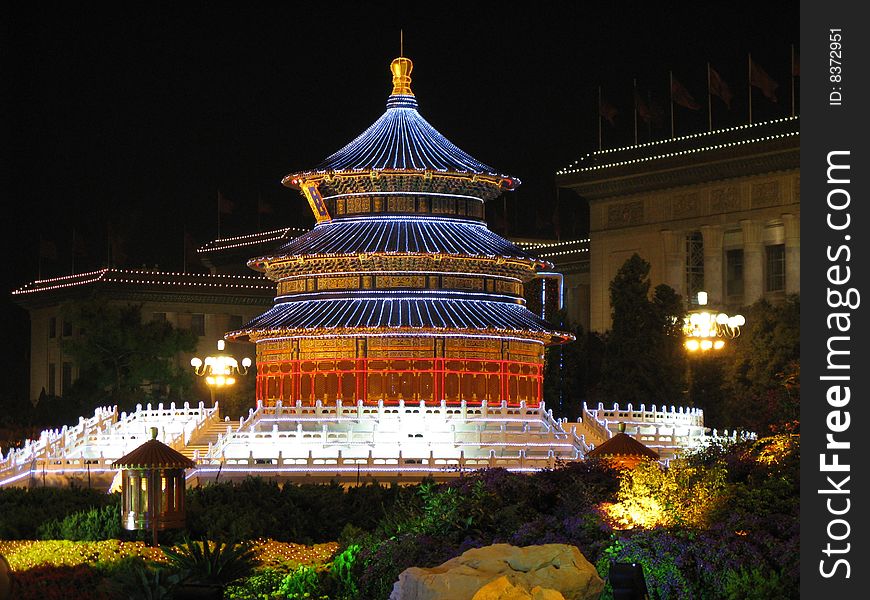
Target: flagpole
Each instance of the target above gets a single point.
(792, 80)
(634, 97)
(184, 249)
(671, 91)
(750, 88)
(599, 118)
(219, 213)
(39, 259)
(709, 102)
(73, 260)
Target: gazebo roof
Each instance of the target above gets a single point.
(622, 445)
(154, 454)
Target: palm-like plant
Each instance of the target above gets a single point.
(220, 564)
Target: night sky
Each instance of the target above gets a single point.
(135, 115)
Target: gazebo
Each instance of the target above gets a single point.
(152, 487)
(623, 451)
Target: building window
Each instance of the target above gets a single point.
(51, 378)
(52, 327)
(734, 272)
(235, 322)
(66, 376)
(775, 263)
(694, 266)
(197, 324)
(158, 317)
(66, 328)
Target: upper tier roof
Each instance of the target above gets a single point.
(402, 141)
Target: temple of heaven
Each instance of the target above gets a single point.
(400, 292)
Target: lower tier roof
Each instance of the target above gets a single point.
(401, 316)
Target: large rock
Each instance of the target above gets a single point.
(502, 589)
(549, 567)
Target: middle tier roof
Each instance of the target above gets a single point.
(400, 235)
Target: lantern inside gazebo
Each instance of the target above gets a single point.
(152, 487)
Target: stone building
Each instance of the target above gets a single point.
(716, 211)
(208, 304)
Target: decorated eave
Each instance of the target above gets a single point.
(154, 454)
(402, 148)
(251, 241)
(718, 154)
(557, 251)
(147, 280)
(400, 236)
(622, 445)
(400, 316)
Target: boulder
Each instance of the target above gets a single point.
(536, 572)
(502, 589)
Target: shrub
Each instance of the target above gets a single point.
(302, 583)
(22, 511)
(263, 583)
(59, 583)
(91, 525)
(224, 563)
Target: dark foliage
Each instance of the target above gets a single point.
(643, 360)
(572, 370)
(219, 564)
(295, 513)
(432, 523)
(23, 511)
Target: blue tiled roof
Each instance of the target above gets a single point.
(467, 316)
(403, 140)
(402, 235)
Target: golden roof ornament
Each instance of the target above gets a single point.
(401, 68)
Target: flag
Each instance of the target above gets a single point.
(116, 247)
(681, 95)
(760, 79)
(643, 110)
(47, 249)
(608, 111)
(79, 247)
(657, 113)
(190, 256)
(263, 207)
(225, 206)
(719, 88)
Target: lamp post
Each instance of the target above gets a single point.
(706, 330)
(219, 370)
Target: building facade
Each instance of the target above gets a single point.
(716, 212)
(207, 304)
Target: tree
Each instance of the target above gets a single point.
(123, 358)
(762, 369)
(571, 370)
(643, 361)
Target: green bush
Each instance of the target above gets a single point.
(91, 525)
(262, 584)
(223, 564)
(304, 582)
(23, 511)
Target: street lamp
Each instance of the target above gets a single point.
(706, 330)
(220, 370)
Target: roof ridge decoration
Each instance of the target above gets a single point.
(402, 142)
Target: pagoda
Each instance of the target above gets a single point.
(400, 293)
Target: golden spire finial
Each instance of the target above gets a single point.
(401, 68)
